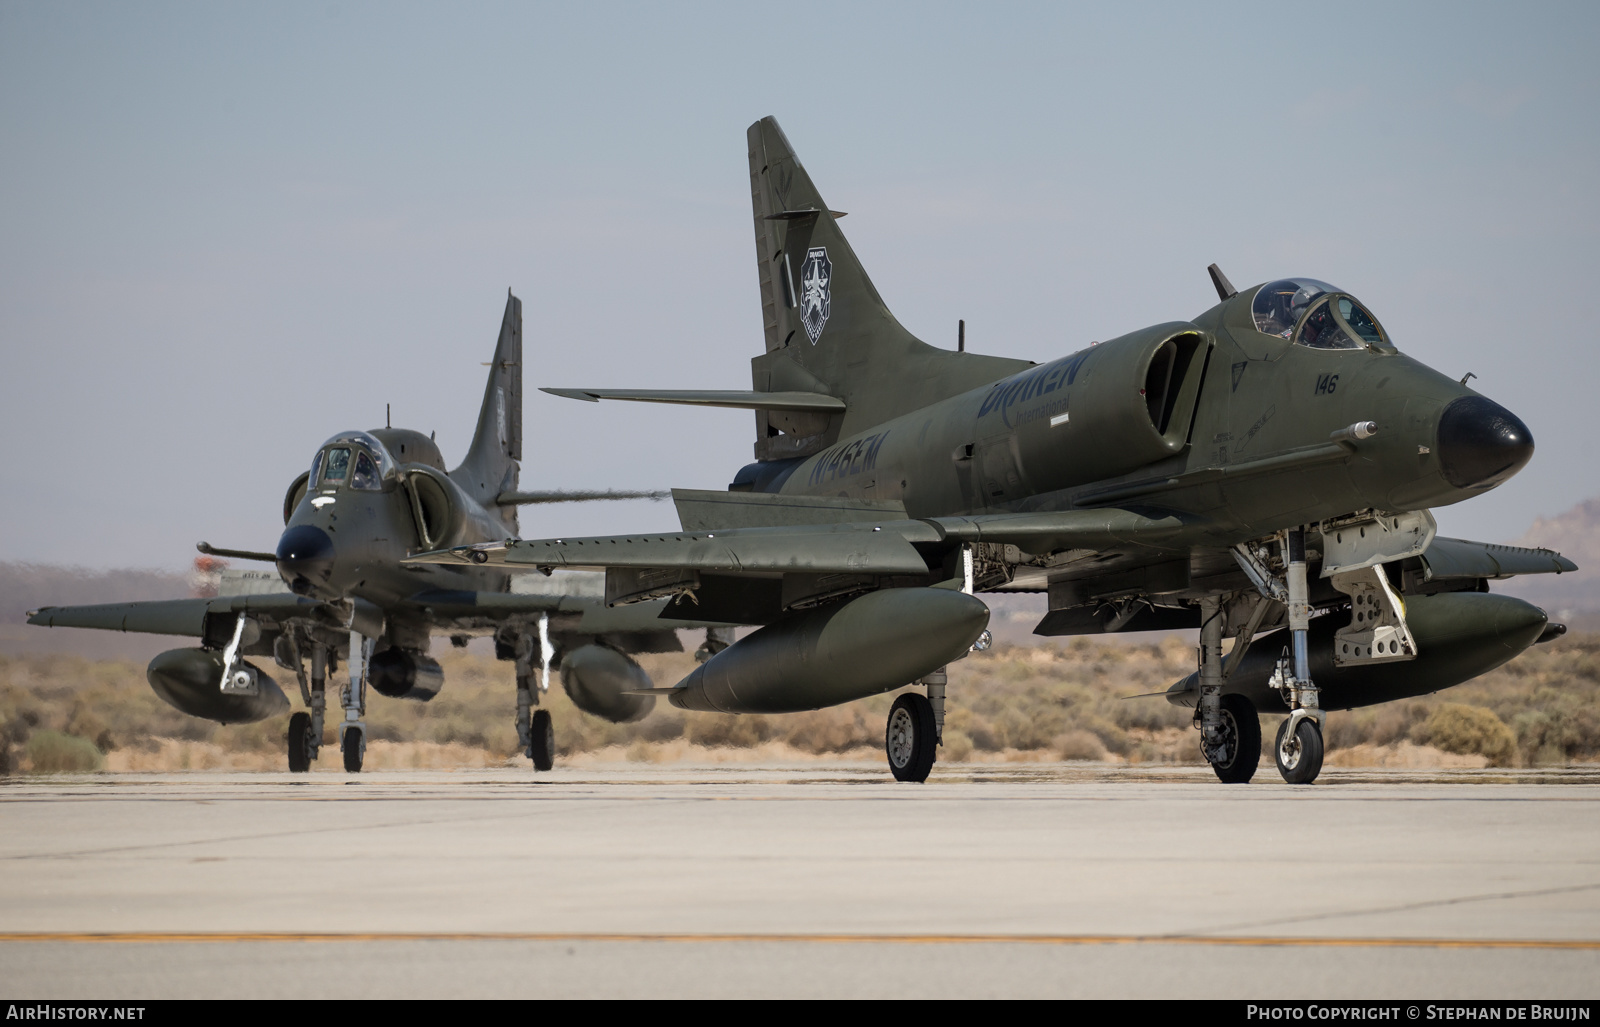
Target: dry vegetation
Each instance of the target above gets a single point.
(1049, 702)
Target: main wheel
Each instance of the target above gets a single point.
(911, 737)
(1300, 757)
(1241, 748)
(299, 743)
(350, 742)
(544, 740)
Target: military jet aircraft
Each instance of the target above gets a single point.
(1267, 466)
(369, 499)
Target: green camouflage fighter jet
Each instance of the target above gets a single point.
(370, 499)
(1266, 467)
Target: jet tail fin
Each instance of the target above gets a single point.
(827, 329)
(494, 459)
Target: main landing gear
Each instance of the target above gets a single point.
(916, 729)
(535, 730)
(1238, 752)
(1230, 729)
(305, 728)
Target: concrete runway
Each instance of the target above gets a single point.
(1052, 880)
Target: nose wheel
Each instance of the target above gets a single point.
(1299, 751)
(354, 744)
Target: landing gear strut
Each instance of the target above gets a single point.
(1299, 748)
(535, 730)
(353, 732)
(305, 728)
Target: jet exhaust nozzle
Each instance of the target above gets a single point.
(833, 654)
(189, 680)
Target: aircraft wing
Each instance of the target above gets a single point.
(173, 616)
(1459, 558)
(856, 548)
(859, 546)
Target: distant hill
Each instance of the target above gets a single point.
(1574, 534)
(28, 586)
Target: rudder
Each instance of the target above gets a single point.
(827, 329)
(493, 461)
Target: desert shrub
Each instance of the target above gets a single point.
(957, 746)
(1348, 729)
(728, 730)
(1109, 735)
(1081, 745)
(1455, 727)
(53, 752)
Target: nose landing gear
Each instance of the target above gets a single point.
(1299, 749)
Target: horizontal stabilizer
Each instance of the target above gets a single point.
(732, 398)
(1459, 558)
(573, 496)
(708, 510)
(651, 691)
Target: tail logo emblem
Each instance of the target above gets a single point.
(815, 275)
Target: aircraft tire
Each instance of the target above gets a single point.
(299, 743)
(1243, 727)
(544, 740)
(351, 743)
(1299, 760)
(910, 738)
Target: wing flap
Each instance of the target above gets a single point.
(1098, 528)
(703, 510)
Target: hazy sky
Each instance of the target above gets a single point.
(228, 231)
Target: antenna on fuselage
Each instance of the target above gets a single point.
(388, 422)
(1225, 289)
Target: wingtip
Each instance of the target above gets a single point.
(587, 397)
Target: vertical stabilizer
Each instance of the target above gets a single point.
(493, 459)
(827, 329)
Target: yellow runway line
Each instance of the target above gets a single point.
(158, 938)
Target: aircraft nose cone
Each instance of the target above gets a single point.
(1481, 443)
(305, 557)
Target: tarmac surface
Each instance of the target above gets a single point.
(814, 880)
